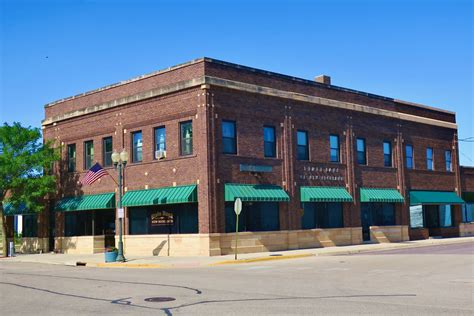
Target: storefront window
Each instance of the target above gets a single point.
(468, 213)
(164, 219)
(445, 219)
(416, 216)
(322, 215)
(78, 223)
(255, 216)
(379, 214)
(30, 225)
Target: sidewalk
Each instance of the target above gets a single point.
(97, 260)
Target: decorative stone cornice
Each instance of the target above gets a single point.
(250, 88)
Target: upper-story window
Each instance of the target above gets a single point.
(229, 139)
(88, 154)
(302, 150)
(361, 151)
(269, 142)
(71, 157)
(160, 142)
(137, 146)
(387, 154)
(448, 159)
(429, 158)
(409, 156)
(186, 138)
(334, 148)
(107, 149)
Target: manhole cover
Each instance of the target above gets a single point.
(159, 299)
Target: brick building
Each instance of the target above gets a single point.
(316, 165)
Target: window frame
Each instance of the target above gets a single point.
(365, 151)
(181, 138)
(85, 154)
(338, 148)
(274, 147)
(428, 160)
(412, 157)
(155, 142)
(306, 158)
(104, 152)
(234, 139)
(390, 154)
(73, 169)
(132, 145)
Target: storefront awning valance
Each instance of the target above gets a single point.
(468, 197)
(325, 194)
(86, 202)
(10, 210)
(380, 195)
(167, 195)
(434, 197)
(255, 193)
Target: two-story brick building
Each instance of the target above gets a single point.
(316, 165)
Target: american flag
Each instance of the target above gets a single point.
(95, 172)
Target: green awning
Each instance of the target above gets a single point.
(468, 197)
(10, 210)
(87, 202)
(434, 197)
(167, 195)
(325, 194)
(380, 195)
(255, 193)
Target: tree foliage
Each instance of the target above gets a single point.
(25, 168)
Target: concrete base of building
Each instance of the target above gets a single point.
(79, 244)
(387, 234)
(34, 245)
(166, 245)
(466, 229)
(249, 242)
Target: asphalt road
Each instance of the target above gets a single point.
(421, 281)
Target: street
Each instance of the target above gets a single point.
(419, 281)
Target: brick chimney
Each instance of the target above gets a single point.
(323, 79)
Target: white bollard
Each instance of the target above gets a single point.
(11, 248)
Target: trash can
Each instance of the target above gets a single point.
(11, 249)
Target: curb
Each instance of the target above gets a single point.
(259, 259)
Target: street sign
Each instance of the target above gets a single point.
(237, 210)
(238, 206)
(120, 213)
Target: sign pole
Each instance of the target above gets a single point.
(237, 209)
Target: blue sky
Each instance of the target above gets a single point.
(420, 51)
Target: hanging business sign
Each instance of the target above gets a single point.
(162, 218)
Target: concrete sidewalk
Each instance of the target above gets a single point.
(97, 260)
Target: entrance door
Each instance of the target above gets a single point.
(51, 229)
(366, 220)
(431, 213)
(105, 225)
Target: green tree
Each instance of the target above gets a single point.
(24, 164)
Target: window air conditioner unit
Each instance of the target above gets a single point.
(160, 154)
